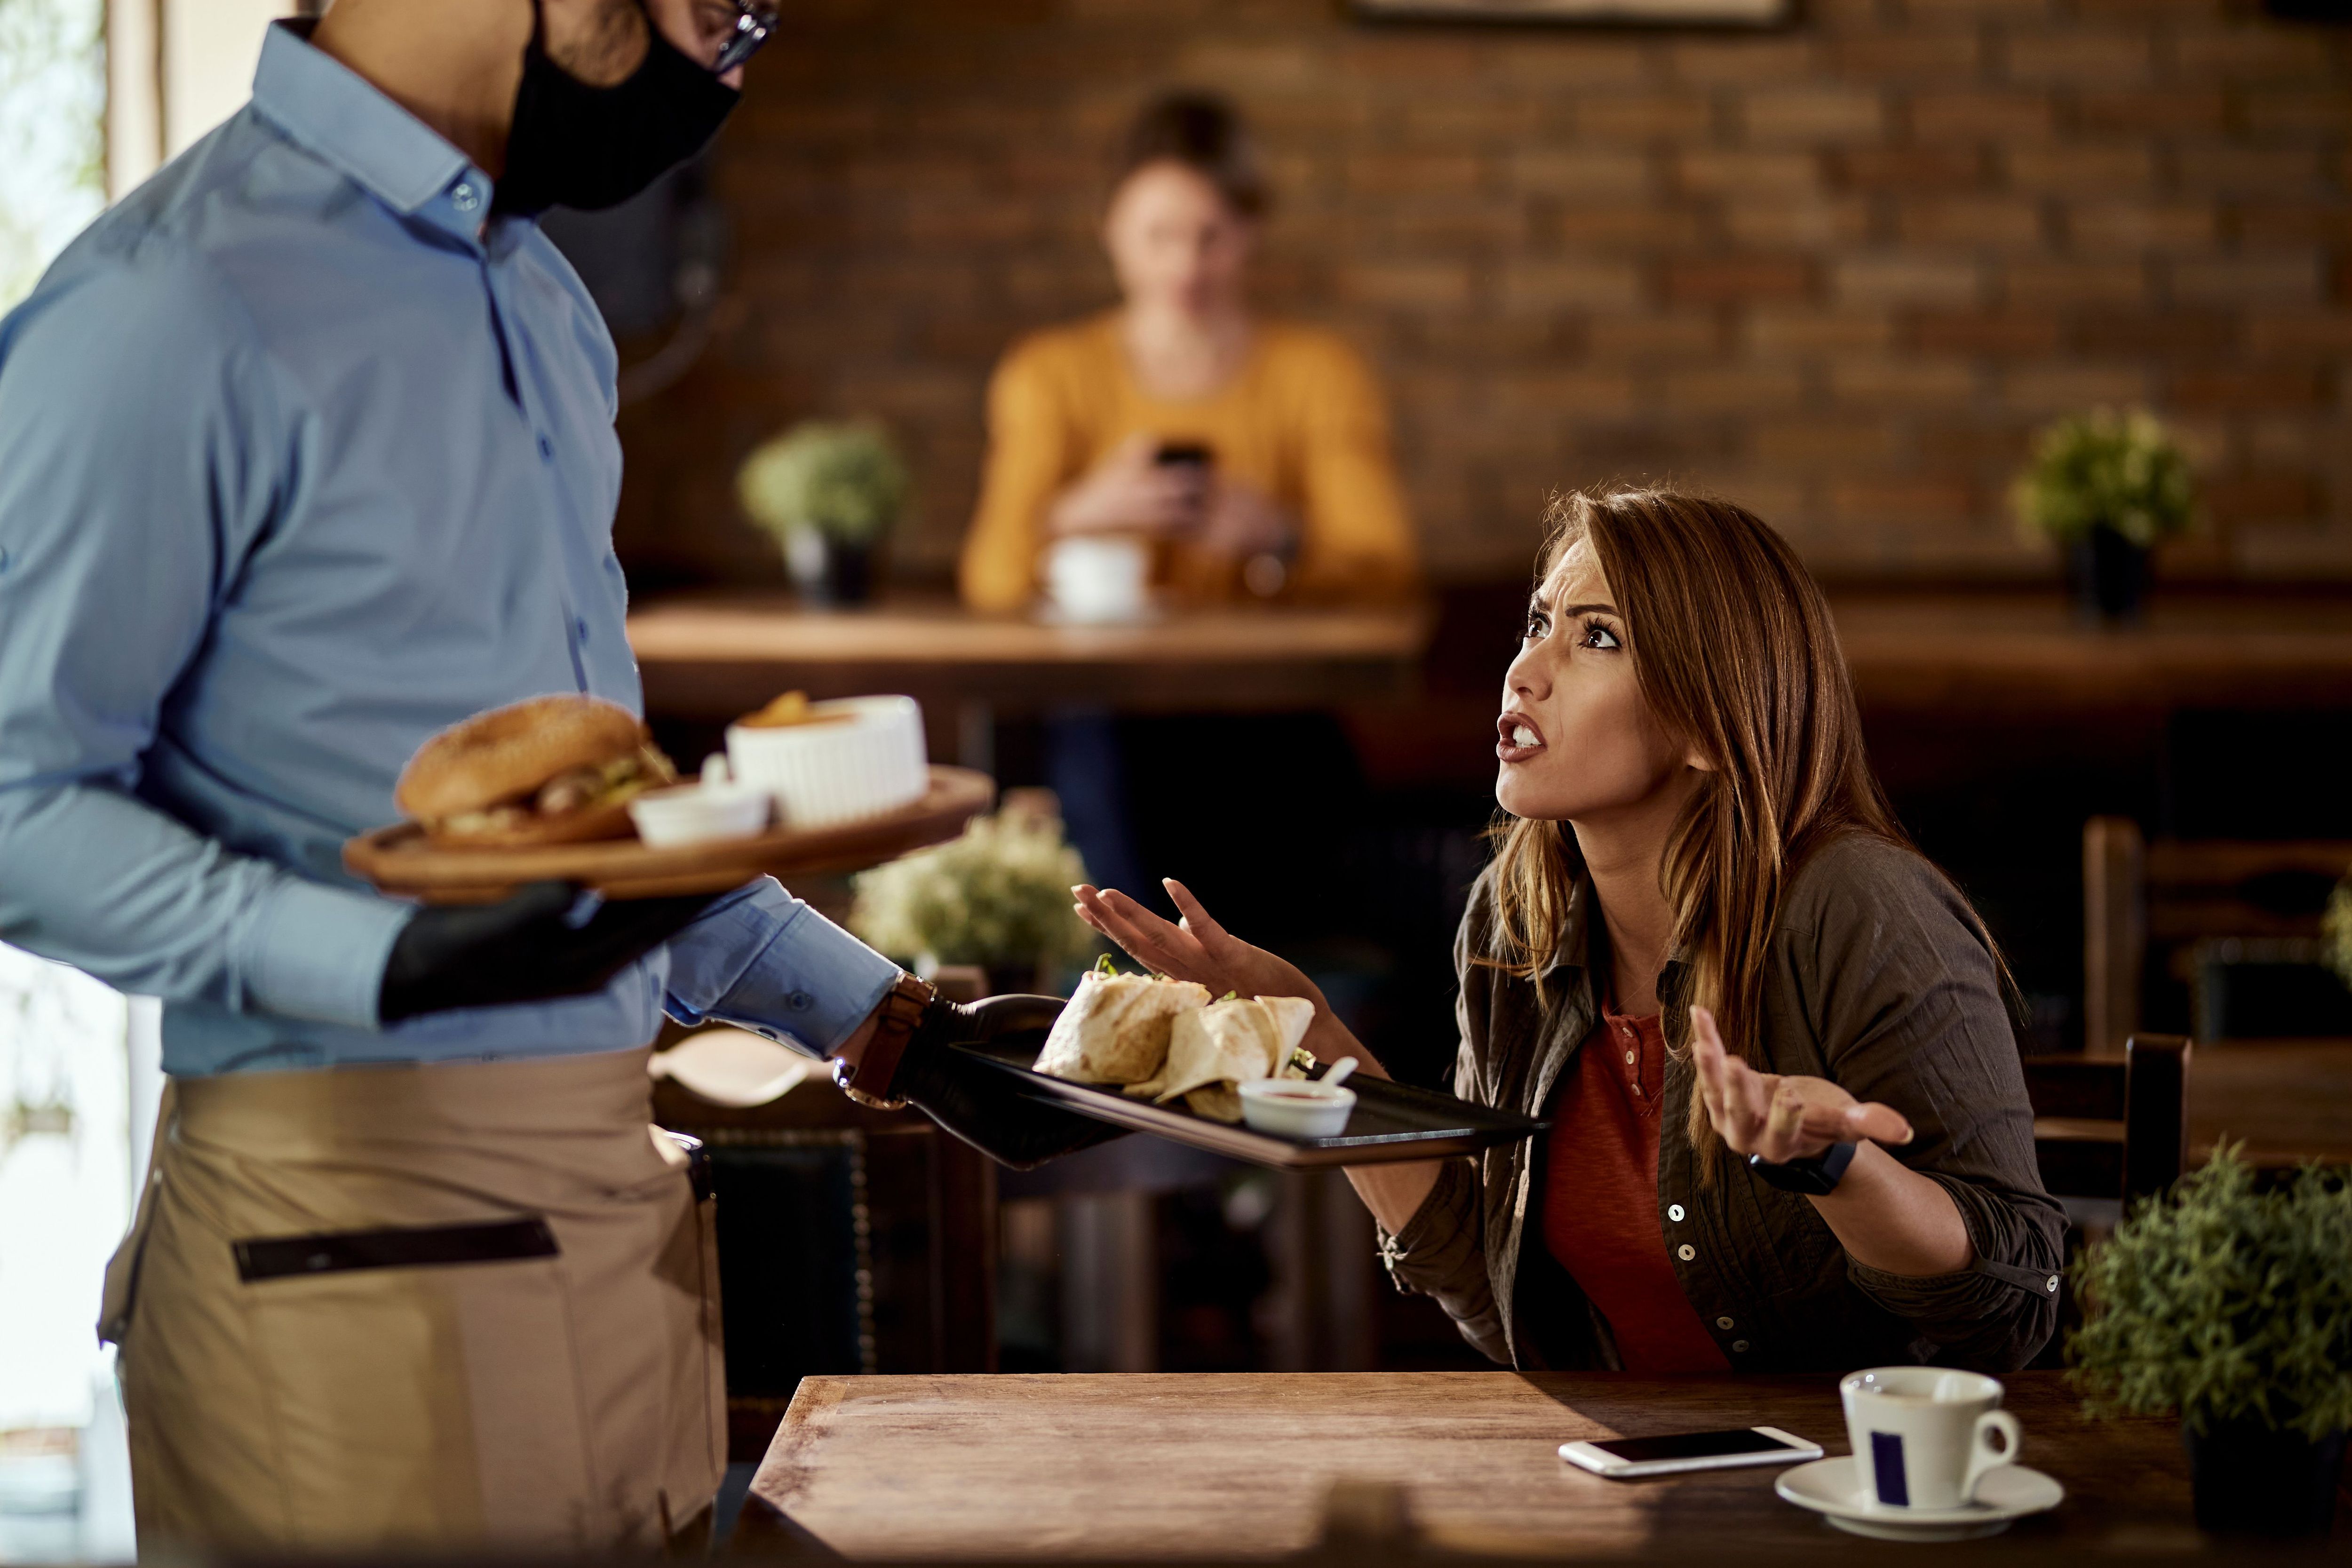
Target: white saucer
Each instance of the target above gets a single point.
(1834, 1488)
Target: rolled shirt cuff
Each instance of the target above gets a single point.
(317, 952)
(769, 962)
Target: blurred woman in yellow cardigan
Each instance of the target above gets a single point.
(1254, 454)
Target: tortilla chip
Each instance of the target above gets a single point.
(1115, 1028)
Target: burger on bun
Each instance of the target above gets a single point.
(553, 770)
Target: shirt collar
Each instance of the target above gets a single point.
(334, 112)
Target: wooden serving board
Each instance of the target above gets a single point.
(400, 861)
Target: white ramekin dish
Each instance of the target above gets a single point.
(869, 761)
(701, 814)
(1296, 1108)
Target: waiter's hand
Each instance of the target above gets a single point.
(981, 1104)
(525, 949)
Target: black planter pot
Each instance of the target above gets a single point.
(829, 571)
(2250, 1480)
(2109, 575)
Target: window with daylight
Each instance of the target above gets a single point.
(52, 132)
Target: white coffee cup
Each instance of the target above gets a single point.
(1924, 1435)
(1099, 577)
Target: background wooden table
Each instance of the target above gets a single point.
(1239, 1465)
(710, 657)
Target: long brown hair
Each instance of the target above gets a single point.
(1736, 656)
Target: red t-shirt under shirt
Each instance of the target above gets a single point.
(1601, 1198)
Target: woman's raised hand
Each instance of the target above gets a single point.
(1780, 1117)
(1130, 491)
(1198, 949)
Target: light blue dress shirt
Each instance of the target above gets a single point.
(302, 461)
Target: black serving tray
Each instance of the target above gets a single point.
(1391, 1121)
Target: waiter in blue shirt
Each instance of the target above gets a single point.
(305, 452)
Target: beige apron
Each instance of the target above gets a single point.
(419, 1307)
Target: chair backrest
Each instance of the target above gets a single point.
(2112, 1128)
(850, 1241)
(2206, 907)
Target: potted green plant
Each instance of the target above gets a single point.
(2230, 1305)
(2106, 488)
(2335, 929)
(998, 897)
(829, 492)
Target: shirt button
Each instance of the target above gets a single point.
(465, 198)
(1674, 1213)
(546, 450)
(1686, 1252)
(1740, 1347)
(2052, 1286)
(800, 1001)
(1723, 1322)
(580, 625)
(1629, 1058)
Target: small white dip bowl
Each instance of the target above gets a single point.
(700, 814)
(1295, 1107)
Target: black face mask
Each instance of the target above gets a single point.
(574, 146)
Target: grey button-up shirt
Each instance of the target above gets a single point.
(1880, 980)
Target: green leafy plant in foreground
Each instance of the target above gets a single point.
(998, 895)
(2123, 471)
(846, 482)
(2223, 1303)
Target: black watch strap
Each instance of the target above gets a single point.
(1817, 1176)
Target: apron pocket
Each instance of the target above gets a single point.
(424, 1246)
(425, 1406)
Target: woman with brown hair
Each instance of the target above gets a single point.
(1254, 455)
(1789, 1126)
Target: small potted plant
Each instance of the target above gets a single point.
(998, 897)
(2232, 1307)
(2106, 488)
(2335, 929)
(829, 492)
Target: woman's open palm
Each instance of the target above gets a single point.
(1197, 949)
(1779, 1117)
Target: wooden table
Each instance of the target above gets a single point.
(1154, 1466)
(2008, 653)
(712, 657)
(2287, 1100)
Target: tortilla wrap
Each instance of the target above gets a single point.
(1226, 1043)
(1116, 1027)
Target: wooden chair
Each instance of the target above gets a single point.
(2111, 1128)
(2107, 1128)
(850, 1241)
(2203, 909)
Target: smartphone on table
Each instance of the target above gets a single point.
(1630, 1459)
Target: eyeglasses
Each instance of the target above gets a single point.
(753, 23)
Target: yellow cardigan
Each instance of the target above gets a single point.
(1302, 422)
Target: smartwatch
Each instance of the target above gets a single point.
(1816, 1177)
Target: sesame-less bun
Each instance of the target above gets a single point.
(476, 783)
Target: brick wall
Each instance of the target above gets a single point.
(1837, 272)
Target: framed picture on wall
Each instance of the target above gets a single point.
(1604, 13)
